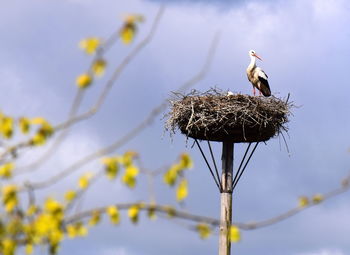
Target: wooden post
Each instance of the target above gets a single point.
(226, 198)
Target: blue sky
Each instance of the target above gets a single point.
(304, 45)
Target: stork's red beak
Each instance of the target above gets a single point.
(257, 56)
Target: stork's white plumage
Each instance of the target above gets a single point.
(257, 76)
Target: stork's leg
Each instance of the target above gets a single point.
(260, 94)
(253, 90)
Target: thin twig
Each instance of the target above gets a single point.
(117, 73)
(47, 155)
(200, 219)
(95, 108)
(135, 131)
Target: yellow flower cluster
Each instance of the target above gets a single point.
(305, 201)
(113, 164)
(24, 125)
(129, 28)
(84, 80)
(90, 46)
(9, 197)
(94, 45)
(44, 131)
(175, 171)
(152, 212)
(6, 126)
(47, 226)
(6, 170)
(76, 230)
(95, 218)
(133, 213)
(114, 214)
(235, 234)
(182, 190)
(204, 230)
(84, 180)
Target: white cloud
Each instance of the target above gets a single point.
(327, 9)
(115, 251)
(323, 252)
(16, 90)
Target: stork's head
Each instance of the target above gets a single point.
(253, 54)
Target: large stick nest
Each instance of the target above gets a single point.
(216, 116)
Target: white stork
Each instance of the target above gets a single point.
(257, 76)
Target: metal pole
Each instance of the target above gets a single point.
(226, 198)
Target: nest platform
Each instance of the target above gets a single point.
(216, 116)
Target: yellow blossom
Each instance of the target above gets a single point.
(132, 170)
(84, 80)
(318, 198)
(32, 209)
(111, 167)
(133, 213)
(6, 170)
(45, 131)
(6, 126)
(152, 212)
(182, 190)
(9, 247)
(113, 213)
(84, 180)
(76, 230)
(186, 161)
(24, 125)
(54, 208)
(95, 218)
(128, 157)
(303, 201)
(9, 197)
(55, 237)
(203, 230)
(235, 235)
(90, 45)
(70, 195)
(171, 175)
(99, 67)
(127, 33)
(29, 249)
(129, 177)
(129, 29)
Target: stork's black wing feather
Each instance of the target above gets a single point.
(264, 86)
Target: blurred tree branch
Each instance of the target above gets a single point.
(174, 213)
(135, 131)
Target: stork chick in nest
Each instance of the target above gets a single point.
(257, 76)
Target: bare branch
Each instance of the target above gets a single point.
(47, 155)
(96, 107)
(211, 221)
(135, 131)
(118, 71)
